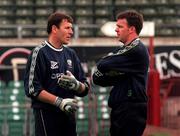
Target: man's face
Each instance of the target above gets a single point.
(65, 32)
(122, 30)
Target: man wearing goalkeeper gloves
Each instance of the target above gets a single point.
(53, 77)
(126, 70)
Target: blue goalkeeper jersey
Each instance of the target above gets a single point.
(126, 70)
(44, 66)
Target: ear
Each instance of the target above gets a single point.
(54, 29)
(132, 29)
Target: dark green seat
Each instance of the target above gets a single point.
(82, 116)
(15, 94)
(16, 128)
(1, 98)
(103, 114)
(82, 127)
(15, 84)
(16, 121)
(82, 112)
(103, 110)
(2, 84)
(2, 92)
(2, 117)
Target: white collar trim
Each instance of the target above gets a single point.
(60, 49)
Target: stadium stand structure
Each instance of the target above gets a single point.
(82, 116)
(14, 113)
(2, 100)
(27, 18)
(103, 111)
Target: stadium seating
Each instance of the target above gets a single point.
(2, 84)
(103, 2)
(84, 11)
(43, 11)
(84, 2)
(82, 116)
(63, 2)
(41, 33)
(2, 115)
(24, 21)
(103, 115)
(6, 2)
(7, 33)
(44, 2)
(82, 127)
(16, 121)
(2, 94)
(24, 2)
(13, 113)
(22, 12)
(102, 110)
(15, 100)
(15, 84)
(65, 10)
(2, 100)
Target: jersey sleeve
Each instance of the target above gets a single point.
(103, 79)
(115, 66)
(127, 63)
(34, 74)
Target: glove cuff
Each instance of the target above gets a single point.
(77, 86)
(58, 101)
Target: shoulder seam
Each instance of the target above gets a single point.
(126, 49)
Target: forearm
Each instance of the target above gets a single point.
(103, 80)
(83, 89)
(68, 105)
(46, 97)
(106, 79)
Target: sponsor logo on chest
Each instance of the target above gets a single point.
(54, 65)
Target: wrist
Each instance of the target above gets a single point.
(81, 88)
(58, 101)
(78, 86)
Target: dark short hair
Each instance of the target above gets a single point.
(55, 19)
(133, 18)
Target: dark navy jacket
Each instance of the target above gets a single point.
(126, 70)
(44, 66)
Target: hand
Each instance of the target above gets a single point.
(68, 105)
(69, 82)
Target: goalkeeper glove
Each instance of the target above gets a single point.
(69, 82)
(68, 105)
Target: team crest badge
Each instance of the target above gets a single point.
(69, 63)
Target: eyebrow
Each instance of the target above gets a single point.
(118, 25)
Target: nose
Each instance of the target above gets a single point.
(116, 30)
